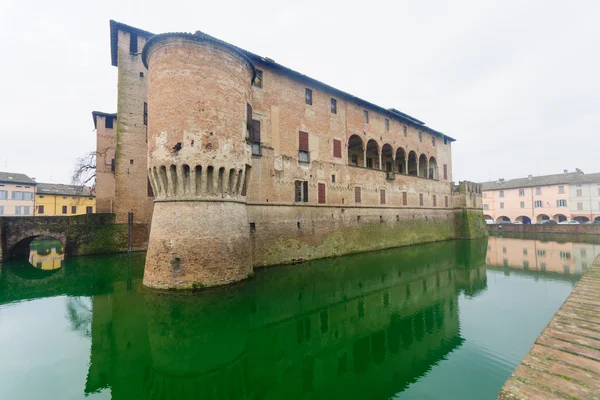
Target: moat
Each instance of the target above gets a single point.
(446, 320)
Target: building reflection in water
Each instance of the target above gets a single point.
(364, 326)
(543, 256)
(358, 327)
(46, 254)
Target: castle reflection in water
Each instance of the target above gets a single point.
(364, 326)
(565, 258)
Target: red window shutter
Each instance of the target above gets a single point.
(303, 141)
(382, 196)
(255, 131)
(321, 193)
(445, 172)
(357, 195)
(337, 148)
(404, 198)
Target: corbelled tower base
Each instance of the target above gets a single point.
(199, 112)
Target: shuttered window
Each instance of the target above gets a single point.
(321, 193)
(133, 43)
(255, 137)
(445, 172)
(357, 195)
(404, 198)
(301, 191)
(337, 148)
(382, 196)
(303, 147)
(421, 199)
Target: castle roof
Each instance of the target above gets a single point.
(102, 114)
(391, 112)
(573, 178)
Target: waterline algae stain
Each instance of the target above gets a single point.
(405, 323)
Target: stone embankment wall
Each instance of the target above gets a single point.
(81, 234)
(581, 229)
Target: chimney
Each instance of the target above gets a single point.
(501, 180)
(579, 171)
(33, 179)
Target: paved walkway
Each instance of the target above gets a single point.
(564, 362)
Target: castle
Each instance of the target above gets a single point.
(240, 162)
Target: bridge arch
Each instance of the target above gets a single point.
(21, 248)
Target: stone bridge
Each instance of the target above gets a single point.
(80, 234)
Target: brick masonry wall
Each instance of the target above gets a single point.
(131, 179)
(581, 229)
(106, 144)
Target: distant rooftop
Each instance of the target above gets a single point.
(392, 112)
(101, 114)
(545, 180)
(68, 190)
(11, 177)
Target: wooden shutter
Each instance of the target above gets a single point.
(255, 131)
(357, 195)
(303, 141)
(321, 193)
(382, 196)
(445, 172)
(298, 191)
(133, 43)
(305, 194)
(248, 113)
(337, 148)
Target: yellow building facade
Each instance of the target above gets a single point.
(56, 199)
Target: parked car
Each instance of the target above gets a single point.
(517, 223)
(489, 221)
(548, 222)
(569, 222)
(593, 223)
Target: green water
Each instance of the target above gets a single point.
(424, 322)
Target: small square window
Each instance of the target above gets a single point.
(130, 162)
(141, 74)
(333, 106)
(252, 226)
(333, 178)
(366, 116)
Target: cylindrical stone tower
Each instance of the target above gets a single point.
(199, 103)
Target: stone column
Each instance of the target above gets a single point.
(380, 164)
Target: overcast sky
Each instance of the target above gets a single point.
(517, 83)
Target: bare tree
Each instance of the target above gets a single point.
(84, 174)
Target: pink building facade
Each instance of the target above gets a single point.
(535, 199)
